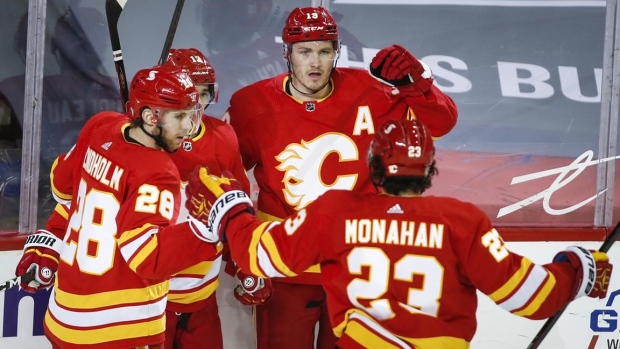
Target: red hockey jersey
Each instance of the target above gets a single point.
(216, 148)
(120, 249)
(302, 149)
(401, 272)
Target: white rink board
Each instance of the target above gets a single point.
(497, 329)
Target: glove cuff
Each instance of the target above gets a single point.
(427, 73)
(202, 231)
(223, 204)
(584, 261)
(252, 284)
(45, 239)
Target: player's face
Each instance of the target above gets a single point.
(311, 64)
(176, 125)
(205, 94)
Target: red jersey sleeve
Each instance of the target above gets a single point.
(146, 235)
(61, 177)
(512, 281)
(435, 109)
(57, 223)
(276, 249)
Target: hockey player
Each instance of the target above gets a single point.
(120, 248)
(244, 54)
(400, 269)
(303, 132)
(192, 310)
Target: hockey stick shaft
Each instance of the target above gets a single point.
(113, 9)
(171, 31)
(540, 336)
(29, 276)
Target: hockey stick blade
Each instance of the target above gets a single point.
(113, 9)
(540, 336)
(29, 276)
(171, 31)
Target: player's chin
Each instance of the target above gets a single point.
(315, 83)
(175, 144)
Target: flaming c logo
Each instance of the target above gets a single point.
(302, 166)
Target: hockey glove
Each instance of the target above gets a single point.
(216, 200)
(41, 253)
(593, 271)
(395, 66)
(198, 207)
(252, 290)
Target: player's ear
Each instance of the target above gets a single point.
(148, 118)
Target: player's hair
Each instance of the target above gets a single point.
(399, 184)
(401, 157)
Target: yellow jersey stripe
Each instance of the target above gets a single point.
(85, 336)
(131, 234)
(197, 269)
(44, 255)
(62, 196)
(437, 342)
(366, 331)
(191, 297)
(274, 255)
(367, 338)
(62, 210)
(265, 217)
(143, 253)
(120, 297)
(513, 282)
(253, 249)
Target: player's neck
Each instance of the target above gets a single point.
(138, 135)
(309, 95)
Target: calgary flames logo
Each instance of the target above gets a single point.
(302, 165)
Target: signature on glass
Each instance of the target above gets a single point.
(565, 175)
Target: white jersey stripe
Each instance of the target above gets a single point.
(130, 249)
(178, 283)
(86, 319)
(264, 262)
(536, 277)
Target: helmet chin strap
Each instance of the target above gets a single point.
(157, 138)
(290, 74)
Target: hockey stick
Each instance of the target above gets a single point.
(29, 276)
(171, 31)
(113, 9)
(540, 336)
